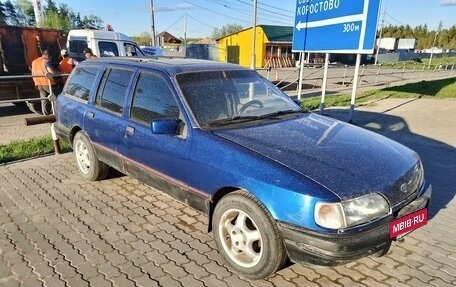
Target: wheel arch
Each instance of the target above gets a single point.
(73, 133)
(216, 198)
(224, 192)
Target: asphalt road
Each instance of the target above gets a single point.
(12, 124)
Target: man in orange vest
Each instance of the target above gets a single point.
(40, 67)
(67, 64)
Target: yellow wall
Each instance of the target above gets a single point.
(243, 39)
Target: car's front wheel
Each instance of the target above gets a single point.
(90, 167)
(247, 236)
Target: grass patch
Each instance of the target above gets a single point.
(436, 63)
(439, 89)
(29, 148)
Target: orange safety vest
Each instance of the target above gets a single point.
(65, 67)
(39, 69)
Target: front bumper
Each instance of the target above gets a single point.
(339, 248)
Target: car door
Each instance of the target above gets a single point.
(102, 120)
(157, 159)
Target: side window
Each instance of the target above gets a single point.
(108, 49)
(81, 82)
(113, 89)
(132, 50)
(77, 46)
(153, 100)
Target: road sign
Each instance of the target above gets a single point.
(336, 26)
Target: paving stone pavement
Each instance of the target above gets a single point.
(59, 230)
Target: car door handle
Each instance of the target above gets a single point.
(130, 130)
(91, 114)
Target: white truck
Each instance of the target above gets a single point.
(103, 44)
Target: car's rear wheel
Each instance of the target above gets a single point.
(90, 167)
(247, 236)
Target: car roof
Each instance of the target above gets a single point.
(172, 66)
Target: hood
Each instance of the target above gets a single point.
(347, 160)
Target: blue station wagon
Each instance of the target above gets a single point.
(277, 182)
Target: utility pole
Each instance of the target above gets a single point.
(433, 44)
(380, 35)
(38, 13)
(252, 59)
(185, 34)
(152, 27)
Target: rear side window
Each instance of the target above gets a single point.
(81, 82)
(113, 89)
(153, 100)
(77, 46)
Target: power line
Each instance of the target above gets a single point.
(291, 13)
(221, 14)
(167, 29)
(201, 22)
(394, 19)
(228, 7)
(263, 18)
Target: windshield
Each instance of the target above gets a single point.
(231, 96)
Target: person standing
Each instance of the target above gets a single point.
(89, 54)
(67, 64)
(43, 76)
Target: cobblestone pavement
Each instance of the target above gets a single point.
(58, 230)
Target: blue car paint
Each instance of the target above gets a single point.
(320, 159)
(346, 159)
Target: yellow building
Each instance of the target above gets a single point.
(272, 47)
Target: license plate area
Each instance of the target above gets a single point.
(402, 226)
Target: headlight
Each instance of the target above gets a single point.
(336, 215)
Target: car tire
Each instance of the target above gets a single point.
(247, 236)
(89, 166)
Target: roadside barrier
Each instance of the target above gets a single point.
(43, 118)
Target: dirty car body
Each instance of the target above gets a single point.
(276, 181)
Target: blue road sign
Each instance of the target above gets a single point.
(336, 26)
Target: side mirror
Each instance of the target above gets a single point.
(165, 126)
(298, 102)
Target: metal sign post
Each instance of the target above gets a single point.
(323, 86)
(336, 26)
(301, 72)
(354, 89)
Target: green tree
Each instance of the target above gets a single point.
(446, 38)
(26, 15)
(144, 39)
(2, 15)
(54, 20)
(226, 30)
(11, 13)
(63, 18)
(77, 22)
(92, 22)
(50, 7)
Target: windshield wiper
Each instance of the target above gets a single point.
(241, 119)
(281, 113)
(234, 119)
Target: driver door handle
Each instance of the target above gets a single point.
(130, 130)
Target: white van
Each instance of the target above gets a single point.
(103, 44)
